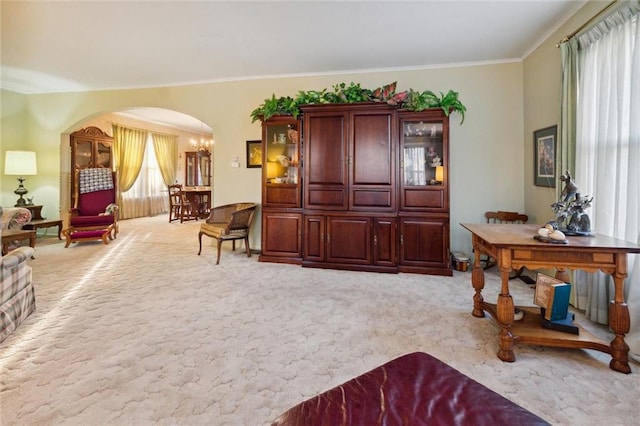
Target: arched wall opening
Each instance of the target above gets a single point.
(189, 130)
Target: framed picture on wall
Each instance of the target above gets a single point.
(544, 155)
(254, 154)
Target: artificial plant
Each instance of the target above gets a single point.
(353, 93)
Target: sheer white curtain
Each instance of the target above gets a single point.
(148, 196)
(608, 152)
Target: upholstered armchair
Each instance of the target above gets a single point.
(17, 297)
(230, 222)
(13, 218)
(95, 214)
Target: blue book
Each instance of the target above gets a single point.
(558, 305)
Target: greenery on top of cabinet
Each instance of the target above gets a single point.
(411, 100)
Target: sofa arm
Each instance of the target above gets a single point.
(14, 257)
(15, 217)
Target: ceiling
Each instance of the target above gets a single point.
(98, 45)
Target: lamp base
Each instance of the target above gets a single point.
(21, 191)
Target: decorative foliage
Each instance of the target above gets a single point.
(275, 106)
(388, 94)
(353, 93)
(450, 102)
(316, 97)
(418, 101)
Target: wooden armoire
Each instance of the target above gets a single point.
(357, 186)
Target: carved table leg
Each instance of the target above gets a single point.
(562, 274)
(619, 321)
(477, 279)
(505, 313)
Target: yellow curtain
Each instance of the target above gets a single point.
(128, 153)
(166, 149)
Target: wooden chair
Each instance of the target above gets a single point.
(230, 222)
(505, 217)
(179, 206)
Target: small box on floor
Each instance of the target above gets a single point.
(459, 261)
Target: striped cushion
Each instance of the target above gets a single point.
(15, 274)
(16, 310)
(17, 297)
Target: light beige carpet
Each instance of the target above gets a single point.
(143, 331)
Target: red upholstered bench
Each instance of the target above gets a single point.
(415, 389)
(77, 236)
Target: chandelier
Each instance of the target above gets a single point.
(202, 146)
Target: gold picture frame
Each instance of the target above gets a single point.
(254, 154)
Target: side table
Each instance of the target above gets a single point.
(10, 235)
(44, 223)
(36, 211)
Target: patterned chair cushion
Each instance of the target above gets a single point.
(98, 179)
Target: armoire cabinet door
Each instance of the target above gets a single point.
(281, 234)
(314, 234)
(385, 238)
(325, 169)
(281, 180)
(349, 240)
(371, 160)
(424, 241)
(424, 162)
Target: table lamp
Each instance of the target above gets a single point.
(439, 174)
(20, 163)
(273, 170)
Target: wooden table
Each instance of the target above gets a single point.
(513, 246)
(200, 196)
(10, 235)
(44, 223)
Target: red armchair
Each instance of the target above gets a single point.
(95, 215)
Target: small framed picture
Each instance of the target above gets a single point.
(254, 154)
(544, 146)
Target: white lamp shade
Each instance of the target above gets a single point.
(20, 163)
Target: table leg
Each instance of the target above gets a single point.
(505, 313)
(477, 279)
(60, 230)
(619, 320)
(32, 242)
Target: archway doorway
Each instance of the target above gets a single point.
(190, 133)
